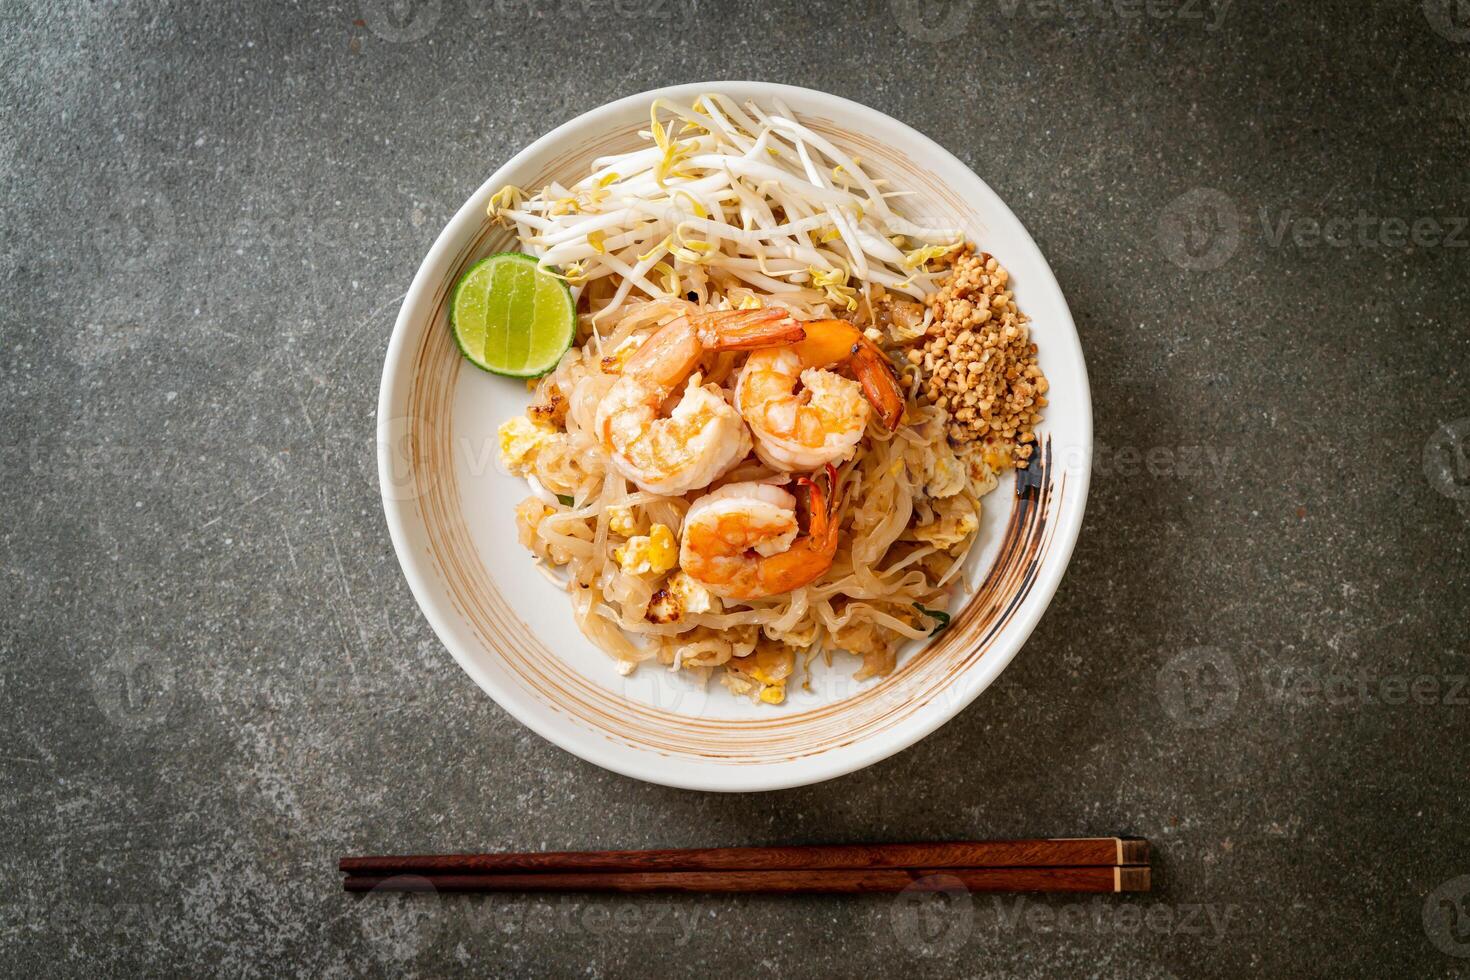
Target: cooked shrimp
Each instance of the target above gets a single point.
(703, 436)
(743, 540)
(805, 415)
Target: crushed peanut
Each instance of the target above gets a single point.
(979, 362)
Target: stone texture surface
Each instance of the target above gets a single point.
(213, 679)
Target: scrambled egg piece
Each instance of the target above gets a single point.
(520, 438)
(954, 521)
(681, 596)
(877, 646)
(982, 474)
(550, 413)
(949, 474)
(738, 683)
(770, 666)
(793, 638)
(620, 520)
(940, 470)
(694, 597)
(653, 553)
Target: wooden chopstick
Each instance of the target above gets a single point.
(789, 881)
(1058, 852)
(1088, 864)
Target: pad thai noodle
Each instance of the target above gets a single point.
(783, 404)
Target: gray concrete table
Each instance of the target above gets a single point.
(213, 679)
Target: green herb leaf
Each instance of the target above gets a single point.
(569, 501)
(938, 615)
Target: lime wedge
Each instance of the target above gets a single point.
(512, 317)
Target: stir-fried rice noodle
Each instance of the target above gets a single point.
(749, 210)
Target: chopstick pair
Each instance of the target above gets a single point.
(1085, 864)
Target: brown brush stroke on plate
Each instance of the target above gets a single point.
(923, 674)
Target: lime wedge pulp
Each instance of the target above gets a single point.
(512, 317)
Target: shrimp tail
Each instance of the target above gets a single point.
(840, 342)
(812, 553)
(746, 329)
(880, 384)
(822, 508)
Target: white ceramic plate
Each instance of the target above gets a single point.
(450, 509)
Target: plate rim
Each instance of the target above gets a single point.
(642, 764)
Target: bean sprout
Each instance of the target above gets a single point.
(732, 193)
